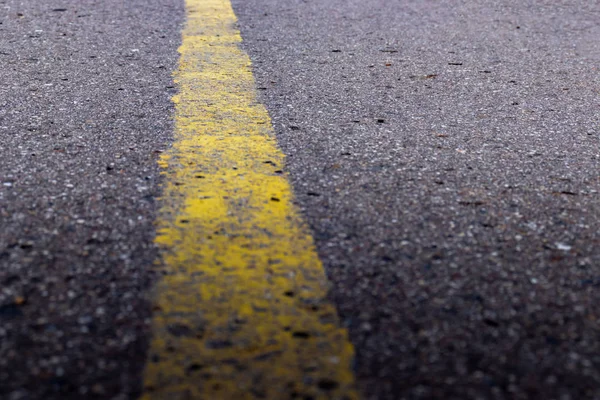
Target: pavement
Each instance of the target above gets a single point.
(85, 111)
(445, 156)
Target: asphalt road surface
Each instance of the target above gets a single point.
(445, 155)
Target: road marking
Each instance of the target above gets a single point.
(241, 309)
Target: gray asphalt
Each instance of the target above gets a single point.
(84, 110)
(446, 155)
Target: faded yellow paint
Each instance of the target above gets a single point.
(241, 310)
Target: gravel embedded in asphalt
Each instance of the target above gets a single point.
(446, 156)
(84, 112)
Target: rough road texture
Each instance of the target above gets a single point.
(446, 155)
(84, 109)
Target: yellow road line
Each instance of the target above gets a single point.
(241, 309)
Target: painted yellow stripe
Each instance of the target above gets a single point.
(241, 309)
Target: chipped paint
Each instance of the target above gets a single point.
(241, 308)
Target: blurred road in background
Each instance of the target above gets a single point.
(445, 156)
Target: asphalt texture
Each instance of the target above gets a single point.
(84, 112)
(445, 154)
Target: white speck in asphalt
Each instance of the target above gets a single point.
(563, 247)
